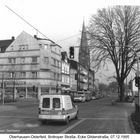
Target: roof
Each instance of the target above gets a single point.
(53, 43)
(73, 64)
(5, 43)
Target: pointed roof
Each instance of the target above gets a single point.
(84, 50)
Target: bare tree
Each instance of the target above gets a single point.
(114, 34)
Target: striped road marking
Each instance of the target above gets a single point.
(83, 119)
(71, 127)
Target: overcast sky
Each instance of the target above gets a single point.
(59, 20)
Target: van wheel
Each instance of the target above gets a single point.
(77, 114)
(67, 120)
(43, 122)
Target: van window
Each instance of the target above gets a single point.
(46, 102)
(56, 102)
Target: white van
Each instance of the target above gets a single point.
(57, 107)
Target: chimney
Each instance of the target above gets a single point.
(13, 38)
(35, 36)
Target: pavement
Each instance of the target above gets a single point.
(130, 107)
(17, 104)
(7, 107)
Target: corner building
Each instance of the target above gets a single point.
(31, 66)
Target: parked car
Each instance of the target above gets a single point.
(80, 96)
(93, 97)
(88, 95)
(57, 108)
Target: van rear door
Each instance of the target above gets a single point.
(45, 106)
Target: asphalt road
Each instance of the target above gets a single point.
(95, 117)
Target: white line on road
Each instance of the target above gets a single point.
(72, 126)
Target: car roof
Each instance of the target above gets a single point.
(54, 95)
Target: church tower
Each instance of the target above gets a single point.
(84, 55)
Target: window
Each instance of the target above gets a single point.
(56, 102)
(34, 74)
(34, 59)
(54, 62)
(46, 46)
(46, 102)
(12, 60)
(23, 74)
(22, 60)
(57, 64)
(46, 60)
(12, 75)
(55, 76)
(23, 47)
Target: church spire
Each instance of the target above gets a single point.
(84, 50)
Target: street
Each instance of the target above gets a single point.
(95, 117)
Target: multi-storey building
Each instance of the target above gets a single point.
(65, 85)
(79, 77)
(31, 65)
(91, 80)
(73, 75)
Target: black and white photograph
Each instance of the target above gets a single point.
(70, 69)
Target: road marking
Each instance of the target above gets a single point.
(22, 125)
(71, 127)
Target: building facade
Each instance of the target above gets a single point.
(65, 85)
(31, 66)
(80, 83)
(73, 75)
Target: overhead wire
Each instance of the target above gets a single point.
(29, 24)
(38, 31)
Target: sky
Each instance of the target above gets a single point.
(60, 20)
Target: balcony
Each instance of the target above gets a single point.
(83, 72)
(45, 66)
(84, 80)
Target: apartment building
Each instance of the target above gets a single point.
(65, 85)
(73, 75)
(31, 66)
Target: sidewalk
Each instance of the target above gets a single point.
(7, 107)
(130, 109)
(18, 104)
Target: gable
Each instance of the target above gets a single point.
(23, 41)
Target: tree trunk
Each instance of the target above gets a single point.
(122, 90)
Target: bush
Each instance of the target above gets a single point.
(136, 121)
